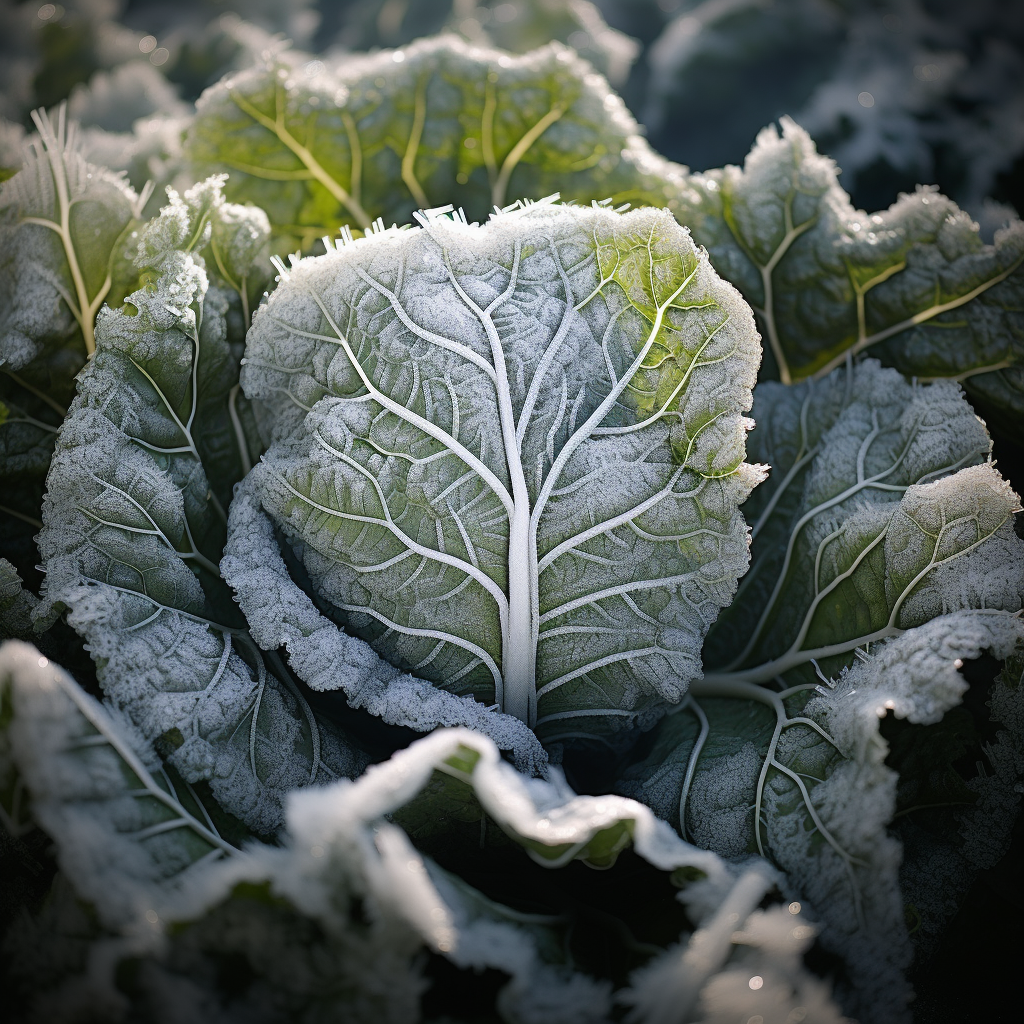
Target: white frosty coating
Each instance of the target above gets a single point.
(282, 615)
(534, 810)
(339, 842)
(521, 471)
(84, 772)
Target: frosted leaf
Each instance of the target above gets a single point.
(913, 284)
(339, 915)
(867, 526)
(435, 122)
(879, 520)
(63, 226)
(134, 523)
(511, 456)
(61, 222)
(124, 833)
(819, 798)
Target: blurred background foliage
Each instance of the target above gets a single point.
(897, 91)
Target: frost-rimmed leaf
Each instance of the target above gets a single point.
(62, 221)
(124, 831)
(63, 226)
(511, 456)
(439, 121)
(337, 916)
(877, 517)
(135, 522)
(746, 769)
(913, 285)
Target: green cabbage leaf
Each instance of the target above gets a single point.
(322, 146)
(912, 285)
(509, 456)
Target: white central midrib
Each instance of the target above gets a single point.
(518, 651)
(518, 639)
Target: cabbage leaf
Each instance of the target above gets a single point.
(913, 285)
(746, 769)
(511, 456)
(382, 136)
(64, 225)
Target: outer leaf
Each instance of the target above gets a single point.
(438, 122)
(869, 526)
(62, 220)
(63, 226)
(805, 782)
(914, 284)
(335, 919)
(134, 525)
(521, 471)
(125, 834)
